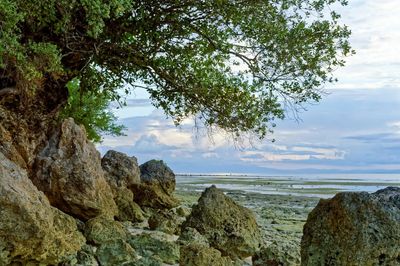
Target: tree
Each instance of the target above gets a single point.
(91, 110)
(235, 64)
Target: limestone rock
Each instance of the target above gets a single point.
(128, 210)
(276, 254)
(116, 252)
(121, 170)
(229, 227)
(166, 221)
(68, 171)
(192, 236)
(102, 229)
(86, 256)
(354, 229)
(198, 255)
(30, 229)
(157, 173)
(156, 246)
(147, 195)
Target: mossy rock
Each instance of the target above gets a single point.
(102, 229)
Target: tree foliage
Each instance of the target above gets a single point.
(91, 109)
(235, 64)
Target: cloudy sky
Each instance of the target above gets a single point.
(355, 128)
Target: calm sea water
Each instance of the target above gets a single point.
(323, 186)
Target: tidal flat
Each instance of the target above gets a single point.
(281, 203)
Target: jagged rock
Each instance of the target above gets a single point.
(121, 170)
(152, 196)
(116, 252)
(30, 229)
(156, 246)
(102, 229)
(276, 254)
(86, 256)
(128, 210)
(198, 255)
(157, 173)
(354, 229)
(69, 173)
(191, 236)
(229, 227)
(166, 221)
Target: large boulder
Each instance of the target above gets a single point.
(31, 231)
(156, 187)
(157, 173)
(69, 172)
(121, 170)
(354, 229)
(198, 255)
(229, 227)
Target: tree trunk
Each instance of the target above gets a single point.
(26, 122)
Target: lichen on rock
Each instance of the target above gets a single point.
(229, 227)
(30, 229)
(68, 171)
(354, 229)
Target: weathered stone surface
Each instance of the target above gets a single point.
(156, 246)
(30, 229)
(152, 196)
(86, 256)
(354, 229)
(192, 236)
(157, 173)
(128, 210)
(166, 221)
(199, 255)
(230, 228)
(276, 255)
(102, 229)
(116, 252)
(69, 173)
(121, 170)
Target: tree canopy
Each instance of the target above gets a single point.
(235, 64)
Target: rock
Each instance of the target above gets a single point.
(198, 255)
(166, 221)
(102, 229)
(86, 256)
(230, 228)
(121, 170)
(152, 196)
(276, 254)
(192, 236)
(128, 210)
(156, 246)
(354, 229)
(68, 171)
(116, 252)
(30, 229)
(157, 173)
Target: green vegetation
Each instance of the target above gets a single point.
(236, 65)
(92, 111)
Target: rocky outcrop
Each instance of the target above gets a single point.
(276, 254)
(69, 172)
(156, 187)
(30, 229)
(196, 255)
(229, 227)
(354, 229)
(157, 174)
(121, 170)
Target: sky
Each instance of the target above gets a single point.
(354, 129)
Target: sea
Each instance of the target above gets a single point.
(321, 186)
